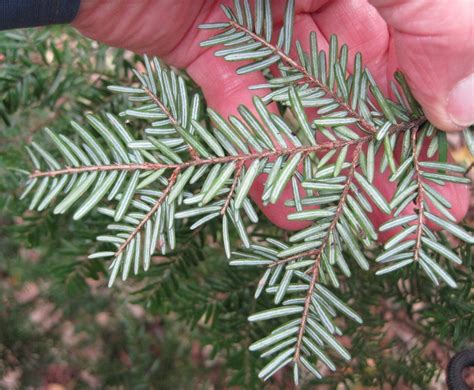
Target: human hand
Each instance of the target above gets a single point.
(431, 42)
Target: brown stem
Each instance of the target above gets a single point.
(309, 78)
(160, 104)
(152, 211)
(170, 116)
(222, 160)
(420, 199)
(319, 251)
(200, 162)
(232, 188)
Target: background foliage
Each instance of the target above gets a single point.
(185, 321)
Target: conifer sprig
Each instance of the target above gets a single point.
(415, 242)
(318, 79)
(314, 271)
(184, 169)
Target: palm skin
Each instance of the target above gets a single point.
(420, 37)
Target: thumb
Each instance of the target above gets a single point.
(434, 44)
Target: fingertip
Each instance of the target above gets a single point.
(460, 104)
(458, 110)
(434, 42)
(440, 119)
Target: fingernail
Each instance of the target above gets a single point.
(461, 102)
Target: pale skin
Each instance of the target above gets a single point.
(432, 42)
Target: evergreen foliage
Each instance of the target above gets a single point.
(190, 167)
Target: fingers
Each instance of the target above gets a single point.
(433, 75)
(434, 43)
(142, 26)
(224, 91)
(344, 18)
(362, 29)
(159, 27)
